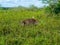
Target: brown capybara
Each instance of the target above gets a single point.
(29, 22)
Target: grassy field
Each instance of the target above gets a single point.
(46, 32)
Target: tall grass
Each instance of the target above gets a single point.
(47, 31)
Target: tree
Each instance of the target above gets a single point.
(50, 1)
(33, 8)
(54, 5)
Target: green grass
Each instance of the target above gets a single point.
(47, 32)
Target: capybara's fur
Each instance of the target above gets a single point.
(29, 21)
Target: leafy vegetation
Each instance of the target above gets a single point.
(53, 5)
(46, 32)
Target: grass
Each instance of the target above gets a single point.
(47, 32)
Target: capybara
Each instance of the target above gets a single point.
(29, 22)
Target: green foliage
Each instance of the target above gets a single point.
(46, 32)
(50, 1)
(57, 8)
(54, 5)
